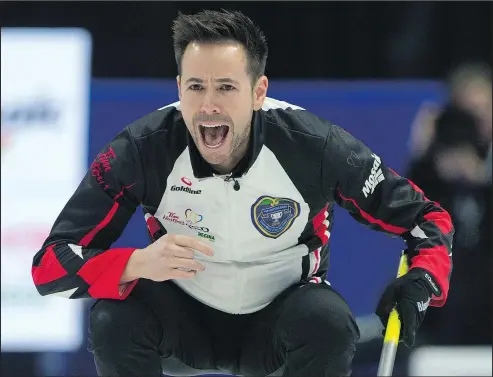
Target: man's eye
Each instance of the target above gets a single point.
(195, 87)
(227, 87)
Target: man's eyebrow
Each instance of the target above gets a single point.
(222, 80)
(194, 79)
(227, 80)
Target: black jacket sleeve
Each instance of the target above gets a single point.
(378, 197)
(76, 260)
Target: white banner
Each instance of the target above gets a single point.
(450, 361)
(45, 91)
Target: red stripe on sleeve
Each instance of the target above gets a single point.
(104, 271)
(322, 235)
(387, 227)
(49, 269)
(437, 262)
(86, 240)
(441, 219)
(416, 188)
(319, 217)
(393, 172)
(413, 185)
(317, 261)
(152, 225)
(319, 227)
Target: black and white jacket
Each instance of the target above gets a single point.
(269, 222)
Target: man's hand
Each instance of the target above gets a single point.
(411, 294)
(170, 257)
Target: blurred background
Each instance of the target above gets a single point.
(410, 79)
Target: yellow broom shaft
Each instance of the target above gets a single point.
(392, 332)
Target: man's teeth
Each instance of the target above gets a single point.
(211, 125)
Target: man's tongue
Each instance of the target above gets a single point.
(214, 136)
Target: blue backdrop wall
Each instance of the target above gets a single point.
(378, 113)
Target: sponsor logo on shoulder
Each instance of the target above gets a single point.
(102, 164)
(376, 176)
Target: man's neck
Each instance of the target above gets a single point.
(228, 166)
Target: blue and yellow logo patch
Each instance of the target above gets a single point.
(274, 216)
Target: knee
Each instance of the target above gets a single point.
(108, 322)
(113, 323)
(321, 319)
(328, 324)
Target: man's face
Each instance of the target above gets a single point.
(475, 96)
(217, 100)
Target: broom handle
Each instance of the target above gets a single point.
(392, 332)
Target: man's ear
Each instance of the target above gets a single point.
(260, 92)
(178, 85)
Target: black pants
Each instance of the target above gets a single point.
(308, 328)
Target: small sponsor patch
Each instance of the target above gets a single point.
(101, 165)
(207, 236)
(274, 216)
(376, 176)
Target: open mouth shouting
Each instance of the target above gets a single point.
(213, 135)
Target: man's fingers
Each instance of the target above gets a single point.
(181, 252)
(192, 243)
(186, 263)
(409, 321)
(386, 304)
(180, 274)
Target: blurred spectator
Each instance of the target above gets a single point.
(488, 165)
(470, 89)
(450, 148)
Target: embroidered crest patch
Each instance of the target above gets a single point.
(274, 216)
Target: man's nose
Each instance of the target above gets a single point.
(209, 105)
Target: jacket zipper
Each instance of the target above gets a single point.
(232, 234)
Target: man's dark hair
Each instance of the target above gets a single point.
(211, 26)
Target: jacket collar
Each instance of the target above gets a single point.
(202, 169)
